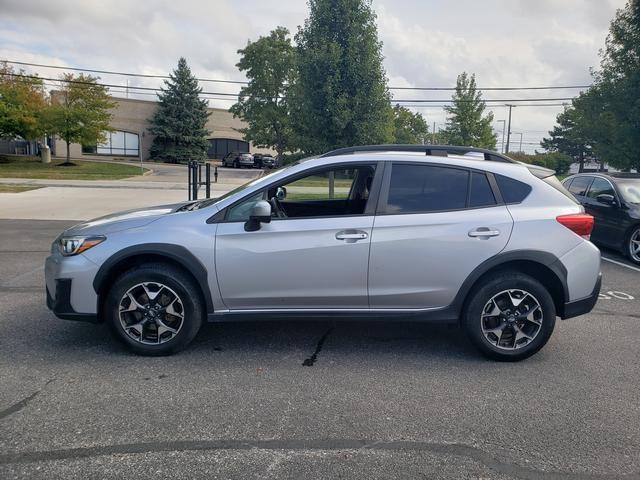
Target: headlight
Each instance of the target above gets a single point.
(69, 246)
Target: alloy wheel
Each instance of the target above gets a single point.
(634, 245)
(151, 313)
(511, 319)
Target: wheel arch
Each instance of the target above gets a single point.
(175, 255)
(543, 266)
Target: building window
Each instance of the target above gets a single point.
(118, 143)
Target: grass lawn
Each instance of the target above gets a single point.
(16, 188)
(31, 167)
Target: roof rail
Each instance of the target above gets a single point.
(435, 150)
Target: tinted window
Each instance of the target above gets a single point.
(512, 190)
(579, 185)
(600, 186)
(426, 188)
(480, 194)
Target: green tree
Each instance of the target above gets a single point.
(23, 102)
(467, 124)
(268, 63)
(79, 111)
(613, 104)
(568, 136)
(409, 127)
(179, 123)
(560, 162)
(340, 96)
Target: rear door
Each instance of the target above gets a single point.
(434, 225)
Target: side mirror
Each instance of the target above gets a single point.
(260, 213)
(281, 193)
(606, 199)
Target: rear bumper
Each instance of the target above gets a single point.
(583, 305)
(60, 305)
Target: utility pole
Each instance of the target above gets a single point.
(504, 125)
(508, 130)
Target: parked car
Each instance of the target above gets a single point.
(498, 246)
(261, 160)
(238, 160)
(614, 201)
(268, 161)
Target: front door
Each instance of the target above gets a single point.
(609, 220)
(314, 253)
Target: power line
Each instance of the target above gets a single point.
(155, 89)
(239, 82)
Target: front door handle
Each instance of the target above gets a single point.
(351, 236)
(484, 232)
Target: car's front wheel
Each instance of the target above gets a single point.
(510, 316)
(155, 309)
(633, 245)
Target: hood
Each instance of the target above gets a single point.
(122, 220)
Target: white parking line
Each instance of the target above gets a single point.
(621, 264)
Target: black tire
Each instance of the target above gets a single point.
(482, 295)
(178, 281)
(627, 244)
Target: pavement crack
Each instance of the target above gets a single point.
(310, 445)
(16, 407)
(309, 362)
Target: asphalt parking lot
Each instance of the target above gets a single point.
(311, 400)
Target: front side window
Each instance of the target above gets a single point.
(426, 188)
(599, 187)
(323, 193)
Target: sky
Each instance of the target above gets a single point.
(426, 43)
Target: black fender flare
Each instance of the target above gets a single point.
(175, 253)
(545, 259)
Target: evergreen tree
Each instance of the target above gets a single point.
(179, 122)
(568, 136)
(466, 125)
(262, 104)
(340, 97)
(409, 127)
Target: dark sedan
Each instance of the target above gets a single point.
(614, 200)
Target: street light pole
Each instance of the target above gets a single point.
(508, 130)
(504, 125)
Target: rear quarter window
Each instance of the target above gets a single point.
(513, 191)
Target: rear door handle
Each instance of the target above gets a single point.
(485, 232)
(351, 236)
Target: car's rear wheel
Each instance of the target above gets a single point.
(633, 245)
(155, 309)
(510, 316)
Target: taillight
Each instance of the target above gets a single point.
(579, 223)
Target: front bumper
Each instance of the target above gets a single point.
(583, 305)
(61, 304)
(69, 287)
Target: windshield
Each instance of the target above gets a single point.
(630, 189)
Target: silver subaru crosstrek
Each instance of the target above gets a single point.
(397, 232)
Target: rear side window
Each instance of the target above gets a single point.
(480, 193)
(513, 191)
(579, 185)
(426, 188)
